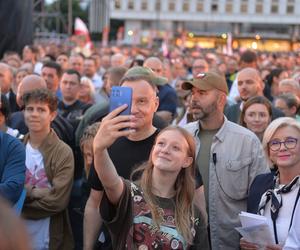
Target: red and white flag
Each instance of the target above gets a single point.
(105, 36)
(81, 29)
(229, 44)
(120, 35)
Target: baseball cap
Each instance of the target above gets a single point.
(148, 73)
(206, 81)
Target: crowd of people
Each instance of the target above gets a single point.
(209, 136)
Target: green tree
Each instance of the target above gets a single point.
(61, 7)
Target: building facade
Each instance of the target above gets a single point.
(260, 21)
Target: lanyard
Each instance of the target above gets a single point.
(274, 218)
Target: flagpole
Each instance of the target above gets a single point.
(70, 17)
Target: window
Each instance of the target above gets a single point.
(199, 7)
(186, 6)
(290, 8)
(244, 6)
(274, 7)
(130, 5)
(229, 6)
(144, 5)
(117, 4)
(171, 5)
(146, 25)
(157, 5)
(259, 8)
(214, 7)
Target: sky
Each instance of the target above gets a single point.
(83, 3)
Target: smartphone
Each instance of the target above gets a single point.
(118, 97)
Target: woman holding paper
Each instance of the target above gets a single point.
(275, 195)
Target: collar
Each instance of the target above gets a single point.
(242, 105)
(47, 143)
(220, 135)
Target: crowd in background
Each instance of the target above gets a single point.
(54, 96)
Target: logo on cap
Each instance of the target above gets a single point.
(201, 75)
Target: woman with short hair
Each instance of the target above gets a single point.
(276, 195)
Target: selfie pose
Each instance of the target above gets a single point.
(157, 211)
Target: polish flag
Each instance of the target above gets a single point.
(120, 35)
(105, 36)
(229, 44)
(81, 29)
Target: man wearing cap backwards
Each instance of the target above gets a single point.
(229, 158)
(126, 152)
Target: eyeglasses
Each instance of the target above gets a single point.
(289, 143)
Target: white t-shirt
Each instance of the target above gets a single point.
(284, 217)
(293, 239)
(12, 132)
(36, 176)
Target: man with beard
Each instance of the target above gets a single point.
(250, 84)
(229, 158)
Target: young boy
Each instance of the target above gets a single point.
(49, 175)
(86, 146)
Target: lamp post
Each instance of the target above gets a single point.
(70, 17)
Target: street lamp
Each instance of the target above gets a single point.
(70, 17)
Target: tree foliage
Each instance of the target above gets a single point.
(61, 7)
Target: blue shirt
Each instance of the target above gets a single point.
(167, 99)
(12, 167)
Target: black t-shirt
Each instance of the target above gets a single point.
(125, 155)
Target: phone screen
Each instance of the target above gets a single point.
(118, 97)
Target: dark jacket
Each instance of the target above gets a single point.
(13, 106)
(12, 167)
(259, 186)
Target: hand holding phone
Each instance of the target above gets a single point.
(120, 96)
